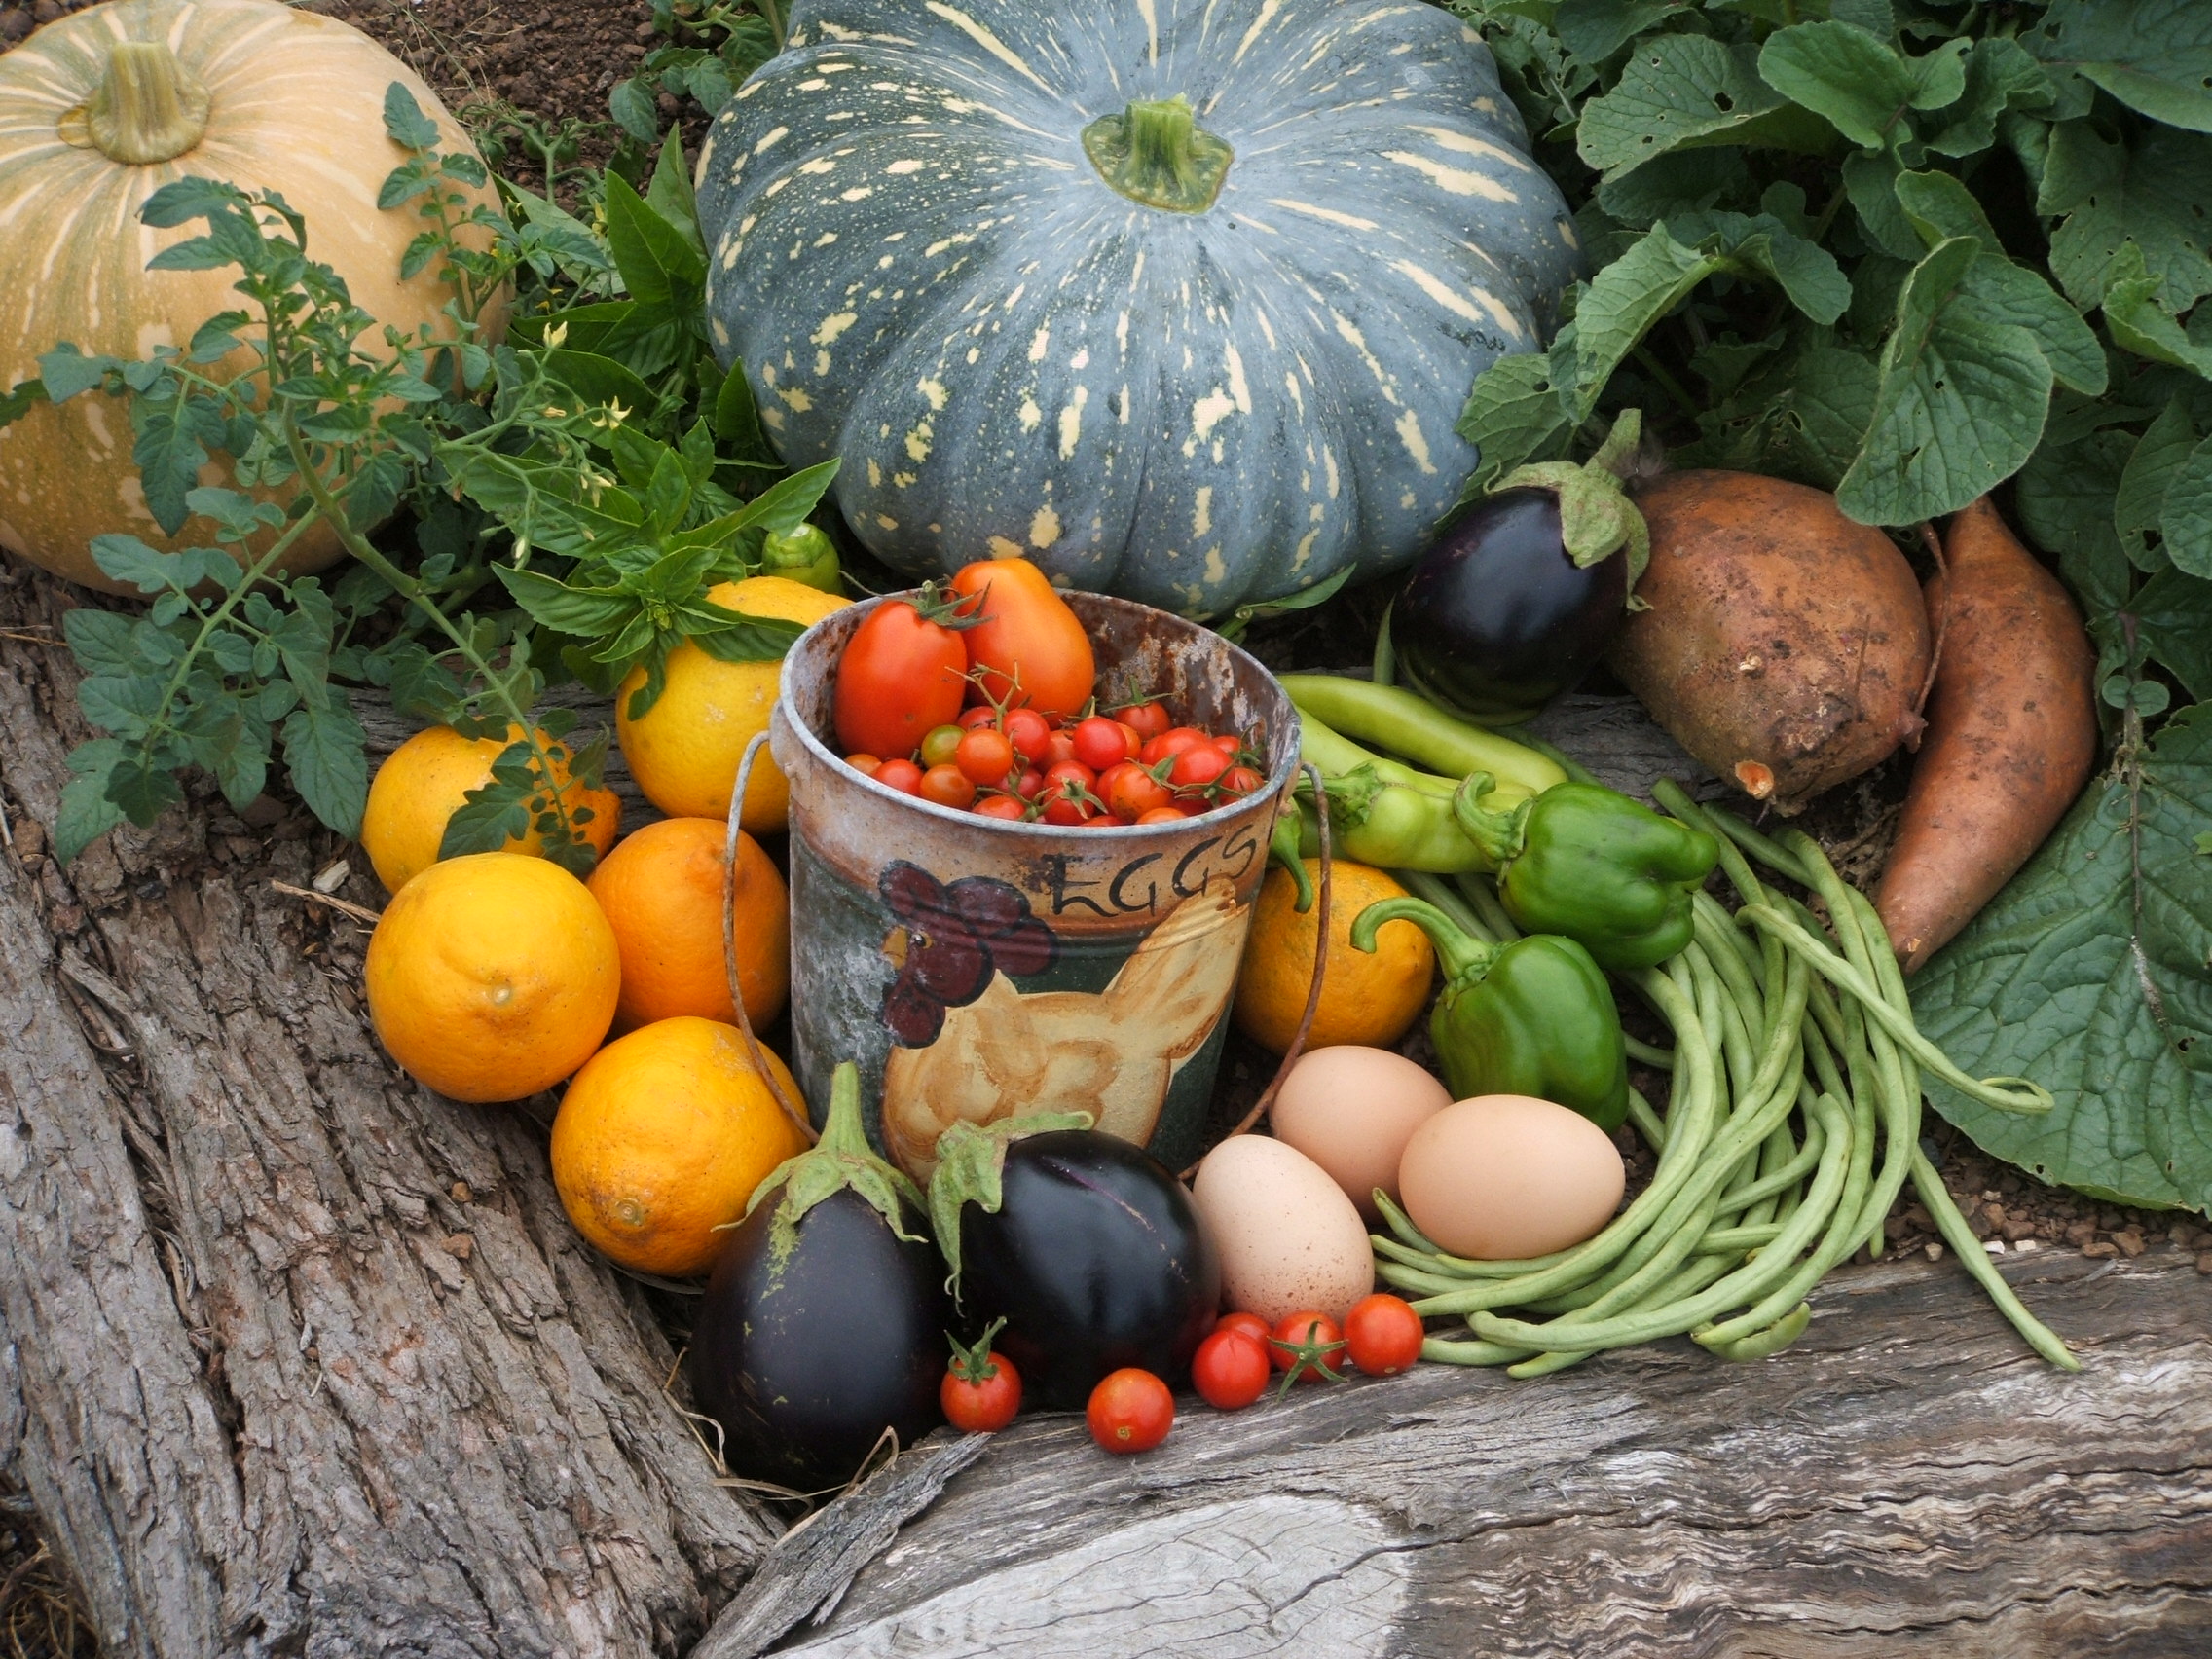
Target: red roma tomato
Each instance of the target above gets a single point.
(1030, 647)
(1026, 731)
(1229, 1370)
(1251, 1324)
(1171, 742)
(981, 1390)
(1198, 766)
(1241, 780)
(864, 764)
(1306, 1344)
(976, 719)
(1059, 747)
(902, 775)
(985, 756)
(1130, 791)
(1006, 806)
(1163, 815)
(902, 673)
(947, 785)
(1100, 743)
(1147, 719)
(1382, 1335)
(1130, 1411)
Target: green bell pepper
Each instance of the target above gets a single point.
(1588, 862)
(1532, 1017)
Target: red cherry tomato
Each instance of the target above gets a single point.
(947, 785)
(1029, 783)
(1063, 772)
(1197, 766)
(1029, 733)
(1163, 815)
(864, 764)
(1382, 1335)
(1068, 810)
(1308, 1345)
(1173, 741)
(1239, 780)
(1229, 1370)
(902, 673)
(1147, 719)
(1100, 743)
(981, 1390)
(1130, 791)
(1006, 806)
(1251, 1324)
(1060, 746)
(1029, 647)
(1130, 1411)
(1229, 743)
(902, 775)
(985, 756)
(980, 716)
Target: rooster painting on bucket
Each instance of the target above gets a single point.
(973, 1046)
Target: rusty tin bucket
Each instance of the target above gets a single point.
(976, 968)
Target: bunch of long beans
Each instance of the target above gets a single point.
(1793, 1124)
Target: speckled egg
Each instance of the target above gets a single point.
(1288, 1238)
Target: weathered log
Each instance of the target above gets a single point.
(1909, 1479)
(295, 1358)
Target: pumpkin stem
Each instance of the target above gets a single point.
(148, 106)
(1154, 151)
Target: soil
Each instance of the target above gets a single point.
(533, 77)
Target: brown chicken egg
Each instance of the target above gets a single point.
(1505, 1176)
(1351, 1110)
(1288, 1238)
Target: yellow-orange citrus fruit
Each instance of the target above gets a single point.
(662, 890)
(424, 781)
(685, 750)
(662, 1137)
(493, 976)
(1364, 999)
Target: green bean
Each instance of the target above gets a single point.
(1937, 1197)
(1423, 885)
(1647, 1121)
(1788, 1174)
(1456, 1350)
(1771, 1341)
(1481, 894)
(1645, 1055)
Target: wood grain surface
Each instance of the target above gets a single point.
(1907, 1480)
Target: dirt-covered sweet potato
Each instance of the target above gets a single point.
(1784, 646)
(2011, 735)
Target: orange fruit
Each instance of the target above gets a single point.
(684, 750)
(662, 890)
(1364, 999)
(491, 976)
(422, 783)
(662, 1138)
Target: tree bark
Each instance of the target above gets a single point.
(295, 1358)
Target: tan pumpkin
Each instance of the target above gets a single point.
(97, 111)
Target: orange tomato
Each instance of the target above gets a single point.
(1030, 647)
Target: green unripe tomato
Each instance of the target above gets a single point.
(805, 555)
(940, 745)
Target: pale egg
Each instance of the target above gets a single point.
(1288, 1238)
(1351, 1110)
(1505, 1176)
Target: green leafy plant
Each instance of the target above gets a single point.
(570, 502)
(1912, 254)
(712, 47)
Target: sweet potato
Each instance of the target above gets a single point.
(2011, 735)
(1784, 646)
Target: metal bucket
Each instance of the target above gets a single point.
(976, 968)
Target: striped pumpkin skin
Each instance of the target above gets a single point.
(926, 277)
(297, 106)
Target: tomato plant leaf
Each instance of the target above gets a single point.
(2088, 972)
(325, 752)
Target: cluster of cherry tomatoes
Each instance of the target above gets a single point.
(1131, 1410)
(1128, 766)
(978, 696)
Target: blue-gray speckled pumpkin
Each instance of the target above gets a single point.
(1180, 298)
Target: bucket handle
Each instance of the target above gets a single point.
(1290, 1056)
(795, 1111)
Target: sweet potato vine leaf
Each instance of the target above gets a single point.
(2092, 974)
